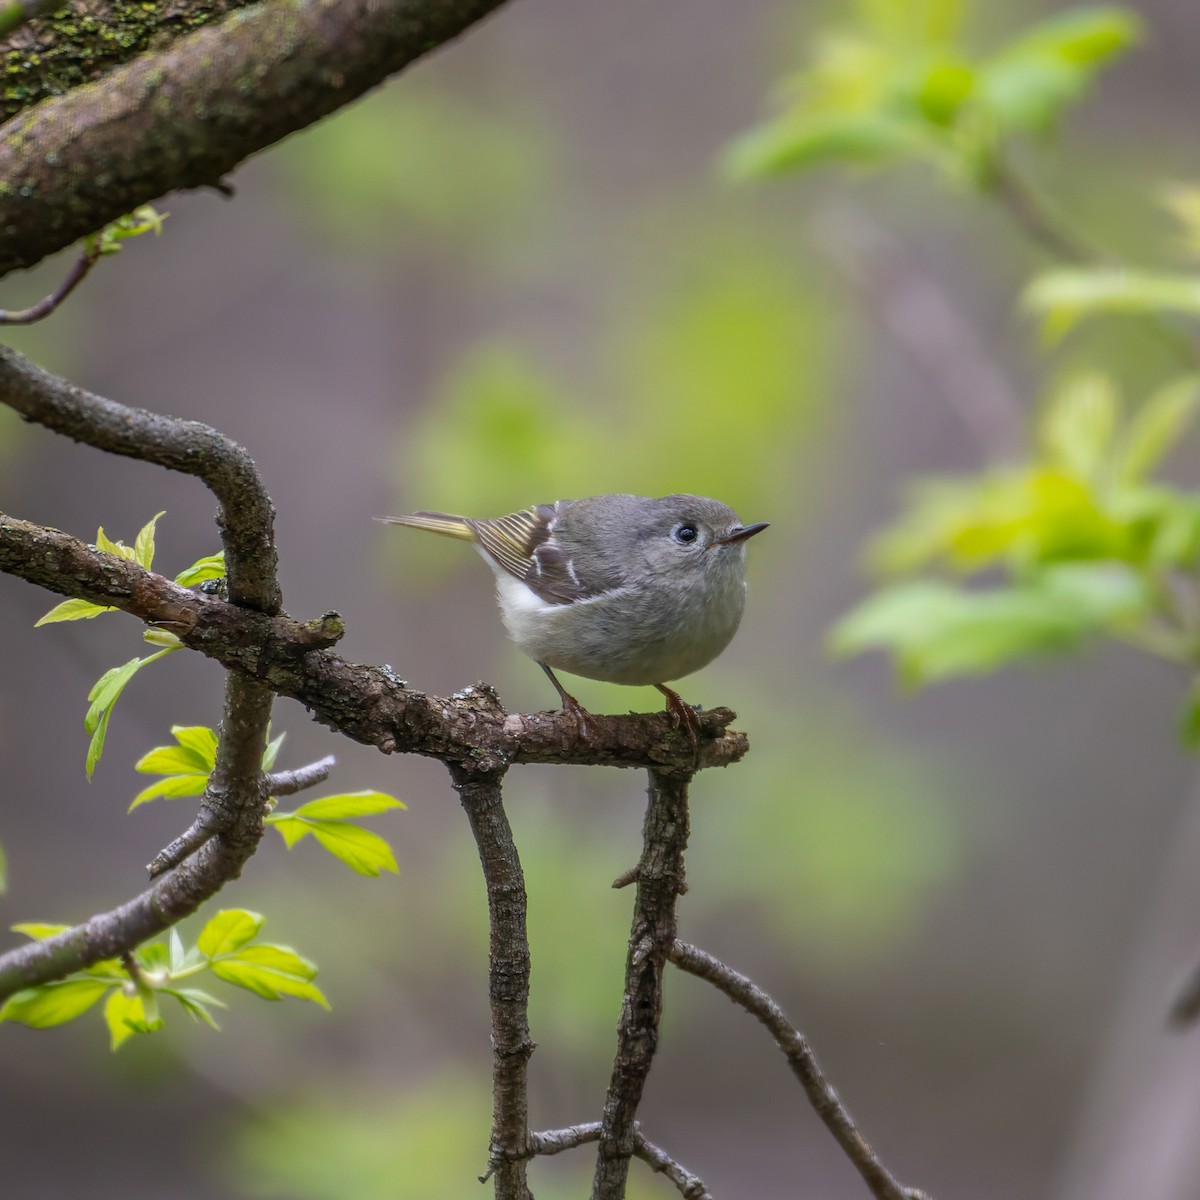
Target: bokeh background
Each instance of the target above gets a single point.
(516, 274)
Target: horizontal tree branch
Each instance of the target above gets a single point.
(369, 704)
(187, 115)
(745, 992)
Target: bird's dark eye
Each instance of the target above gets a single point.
(685, 534)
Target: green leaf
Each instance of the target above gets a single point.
(51, 1004)
(177, 957)
(39, 930)
(172, 788)
(1183, 202)
(126, 1015)
(1156, 427)
(360, 849)
(798, 140)
(230, 929)
(104, 695)
(210, 567)
(348, 804)
(104, 542)
(196, 1004)
(143, 546)
(73, 610)
(292, 829)
(272, 972)
(1029, 83)
(937, 631)
(1068, 295)
(271, 753)
(1077, 428)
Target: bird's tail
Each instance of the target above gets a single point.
(444, 523)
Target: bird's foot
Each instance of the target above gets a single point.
(683, 716)
(570, 706)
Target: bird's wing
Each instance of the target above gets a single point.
(523, 544)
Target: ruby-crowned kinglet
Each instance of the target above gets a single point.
(627, 589)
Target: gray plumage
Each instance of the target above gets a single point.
(627, 589)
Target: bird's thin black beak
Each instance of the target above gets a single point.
(739, 533)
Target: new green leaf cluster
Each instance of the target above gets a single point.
(901, 84)
(227, 947)
(108, 688)
(186, 766)
(1081, 540)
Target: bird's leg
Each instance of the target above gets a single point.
(570, 706)
(682, 714)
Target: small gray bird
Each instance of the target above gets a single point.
(627, 589)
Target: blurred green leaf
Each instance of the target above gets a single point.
(938, 631)
(1189, 725)
(39, 930)
(798, 140)
(229, 930)
(1066, 296)
(51, 1004)
(1078, 425)
(196, 1004)
(1156, 427)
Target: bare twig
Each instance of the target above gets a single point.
(508, 978)
(660, 882)
(690, 1186)
(288, 783)
(821, 1094)
(1040, 222)
(555, 1141)
(88, 257)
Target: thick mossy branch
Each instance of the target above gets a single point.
(87, 38)
(187, 115)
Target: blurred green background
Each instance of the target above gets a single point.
(516, 274)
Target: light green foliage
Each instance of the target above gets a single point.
(108, 241)
(186, 766)
(1068, 295)
(901, 84)
(329, 821)
(1084, 539)
(227, 947)
(108, 688)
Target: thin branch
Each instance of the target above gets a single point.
(690, 1186)
(187, 115)
(368, 704)
(660, 883)
(1044, 225)
(288, 783)
(246, 518)
(88, 258)
(508, 978)
(555, 1141)
(929, 328)
(821, 1094)
(235, 790)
